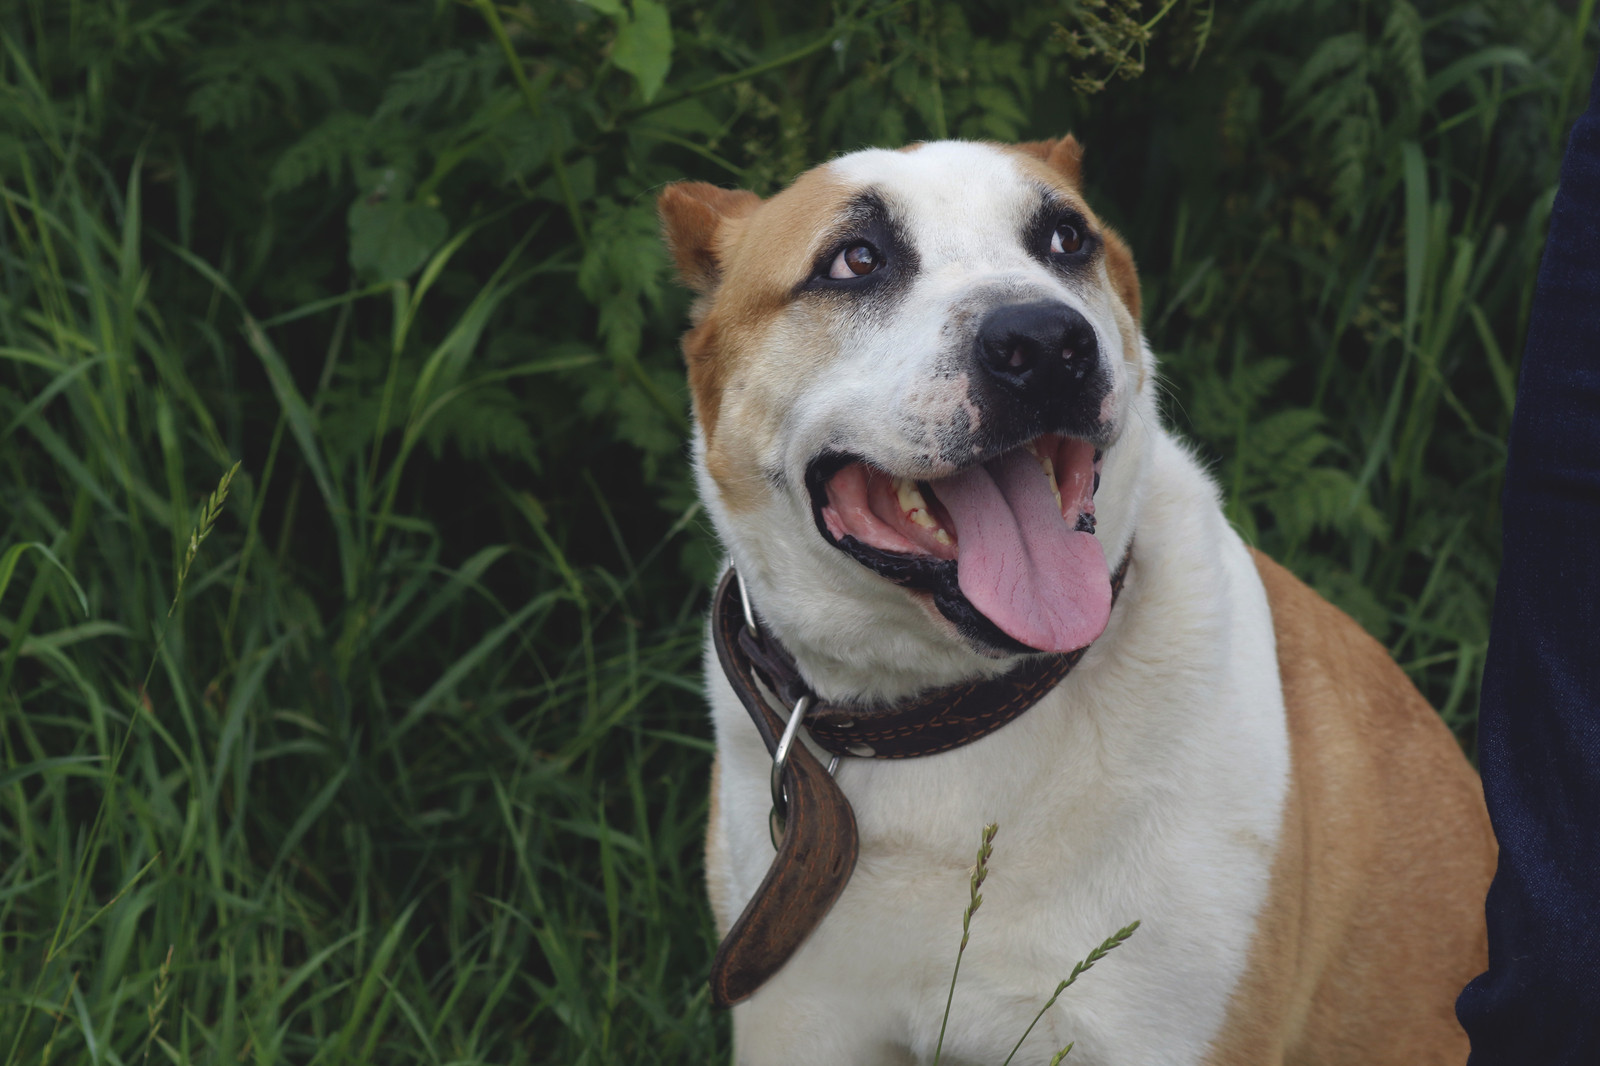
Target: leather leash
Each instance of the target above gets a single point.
(814, 828)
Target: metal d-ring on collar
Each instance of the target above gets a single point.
(780, 757)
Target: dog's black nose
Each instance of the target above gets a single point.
(1036, 346)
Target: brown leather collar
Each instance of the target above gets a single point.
(817, 850)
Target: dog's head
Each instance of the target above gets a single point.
(911, 372)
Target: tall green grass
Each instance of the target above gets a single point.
(402, 758)
(453, 818)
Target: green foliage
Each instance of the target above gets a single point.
(1113, 37)
(389, 238)
(415, 771)
(236, 83)
(643, 46)
(1344, 277)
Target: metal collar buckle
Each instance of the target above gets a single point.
(780, 755)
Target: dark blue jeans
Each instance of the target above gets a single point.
(1539, 735)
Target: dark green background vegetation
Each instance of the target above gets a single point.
(415, 769)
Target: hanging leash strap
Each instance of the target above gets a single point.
(813, 826)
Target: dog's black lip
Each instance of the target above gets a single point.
(923, 573)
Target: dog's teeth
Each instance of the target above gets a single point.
(916, 508)
(911, 500)
(1049, 469)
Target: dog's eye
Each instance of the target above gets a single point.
(854, 261)
(1066, 239)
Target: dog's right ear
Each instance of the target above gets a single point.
(694, 216)
(1063, 153)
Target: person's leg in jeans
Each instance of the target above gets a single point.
(1539, 732)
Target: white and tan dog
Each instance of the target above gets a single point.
(927, 431)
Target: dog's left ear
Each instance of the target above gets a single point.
(694, 216)
(1063, 153)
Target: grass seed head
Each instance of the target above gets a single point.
(208, 518)
(980, 870)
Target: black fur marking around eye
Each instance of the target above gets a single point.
(1040, 228)
(868, 221)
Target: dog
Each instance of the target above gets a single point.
(927, 434)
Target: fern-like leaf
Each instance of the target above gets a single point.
(322, 151)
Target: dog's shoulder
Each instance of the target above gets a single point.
(1374, 919)
(1346, 694)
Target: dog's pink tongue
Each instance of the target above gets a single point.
(1019, 561)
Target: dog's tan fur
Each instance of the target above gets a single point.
(717, 238)
(1357, 958)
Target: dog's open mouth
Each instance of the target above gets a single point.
(1007, 547)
